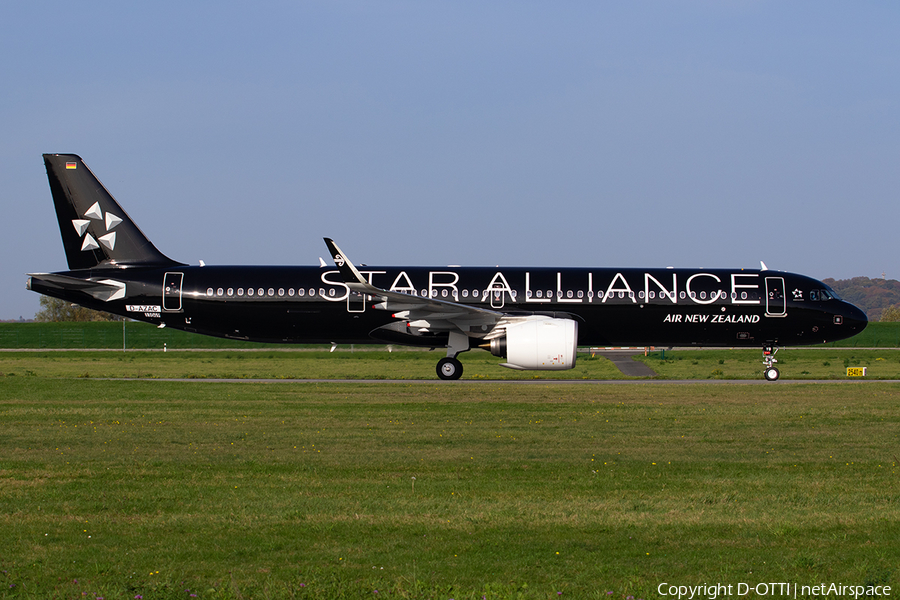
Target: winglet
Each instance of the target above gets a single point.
(762, 266)
(348, 271)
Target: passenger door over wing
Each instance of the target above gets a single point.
(498, 295)
(356, 301)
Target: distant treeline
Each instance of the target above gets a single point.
(134, 335)
(871, 295)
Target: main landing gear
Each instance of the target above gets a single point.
(449, 368)
(770, 372)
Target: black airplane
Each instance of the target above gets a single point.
(535, 318)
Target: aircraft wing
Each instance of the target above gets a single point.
(422, 313)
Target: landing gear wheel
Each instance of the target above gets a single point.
(449, 368)
(770, 372)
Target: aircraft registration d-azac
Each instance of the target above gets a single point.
(535, 318)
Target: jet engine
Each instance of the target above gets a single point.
(539, 343)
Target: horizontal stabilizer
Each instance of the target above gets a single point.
(103, 289)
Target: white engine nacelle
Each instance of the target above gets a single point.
(539, 343)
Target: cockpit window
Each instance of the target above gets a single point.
(822, 295)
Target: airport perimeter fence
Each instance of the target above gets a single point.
(110, 336)
(144, 336)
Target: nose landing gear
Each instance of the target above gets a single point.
(770, 372)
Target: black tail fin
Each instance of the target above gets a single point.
(95, 230)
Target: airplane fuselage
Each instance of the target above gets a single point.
(614, 307)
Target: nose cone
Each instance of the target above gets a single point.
(855, 320)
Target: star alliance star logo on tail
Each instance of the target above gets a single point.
(95, 213)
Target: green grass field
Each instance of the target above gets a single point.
(155, 489)
(795, 364)
(142, 336)
(375, 362)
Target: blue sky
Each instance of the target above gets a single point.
(690, 133)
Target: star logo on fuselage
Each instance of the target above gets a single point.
(82, 226)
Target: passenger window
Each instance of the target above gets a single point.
(240, 291)
(580, 294)
(465, 293)
(301, 292)
(540, 294)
